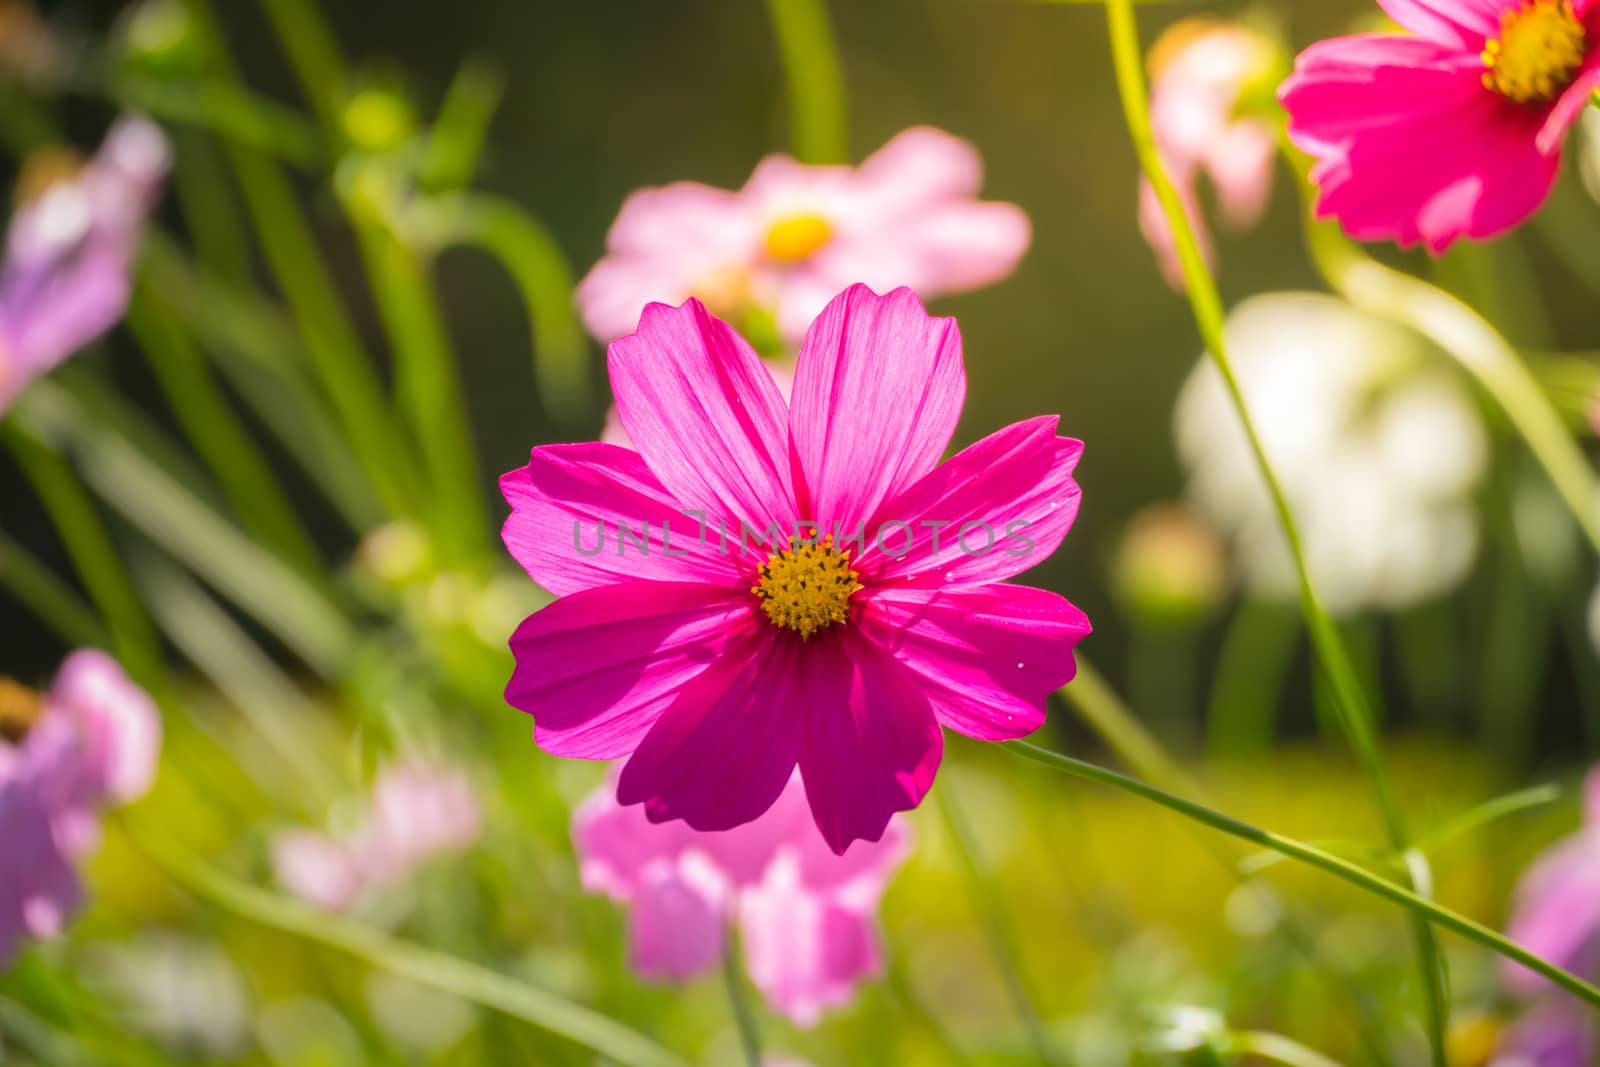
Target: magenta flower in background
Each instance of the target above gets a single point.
(67, 272)
(1556, 913)
(718, 663)
(418, 811)
(1199, 70)
(805, 915)
(1454, 132)
(89, 743)
(1556, 1032)
(795, 235)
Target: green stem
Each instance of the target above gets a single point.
(1104, 712)
(313, 53)
(744, 1017)
(1205, 301)
(501, 228)
(207, 418)
(1343, 869)
(450, 974)
(986, 899)
(52, 600)
(1477, 346)
(89, 545)
(1257, 649)
(1276, 1047)
(427, 387)
(816, 80)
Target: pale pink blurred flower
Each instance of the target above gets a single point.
(91, 742)
(805, 915)
(67, 273)
(795, 235)
(1556, 912)
(1201, 69)
(418, 811)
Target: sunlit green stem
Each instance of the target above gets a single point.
(816, 81)
(453, 975)
(1478, 347)
(313, 53)
(1343, 869)
(1103, 710)
(207, 418)
(744, 1018)
(986, 899)
(1275, 1047)
(89, 545)
(1355, 714)
(427, 387)
(456, 140)
(49, 598)
(535, 262)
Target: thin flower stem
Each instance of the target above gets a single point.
(986, 900)
(50, 599)
(312, 52)
(744, 1017)
(451, 974)
(816, 80)
(1315, 857)
(1105, 713)
(93, 554)
(1478, 347)
(1276, 1047)
(502, 229)
(1354, 713)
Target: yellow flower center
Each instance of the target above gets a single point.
(807, 587)
(797, 237)
(19, 710)
(724, 292)
(1540, 47)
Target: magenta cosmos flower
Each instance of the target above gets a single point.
(1556, 913)
(69, 254)
(805, 915)
(1200, 69)
(89, 743)
(1454, 132)
(718, 654)
(795, 235)
(419, 811)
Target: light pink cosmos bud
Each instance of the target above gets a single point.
(418, 811)
(796, 234)
(316, 869)
(1201, 69)
(806, 916)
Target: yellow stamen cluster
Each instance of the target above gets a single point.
(19, 710)
(797, 237)
(807, 587)
(1540, 47)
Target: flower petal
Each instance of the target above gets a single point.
(872, 745)
(597, 668)
(877, 392)
(703, 411)
(570, 508)
(987, 656)
(1557, 910)
(1460, 23)
(722, 752)
(675, 924)
(993, 510)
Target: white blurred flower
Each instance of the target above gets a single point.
(182, 989)
(1378, 449)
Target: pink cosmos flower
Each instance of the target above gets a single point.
(1556, 913)
(90, 742)
(805, 915)
(1454, 132)
(418, 811)
(1556, 1032)
(782, 373)
(69, 256)
(718, 653)
(1200, 70)
(795, 235)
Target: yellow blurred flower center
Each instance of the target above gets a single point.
(1540, 47)
(807, 587)
(19, 710)
(797, 237)
(725, 292)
